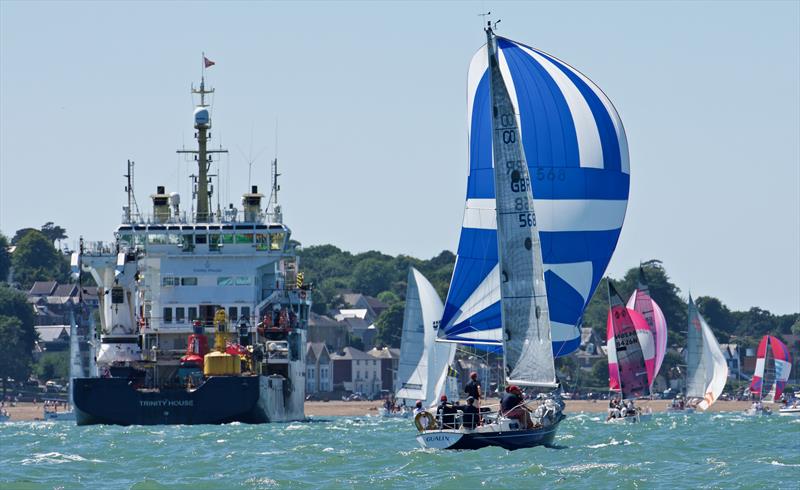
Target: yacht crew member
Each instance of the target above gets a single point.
(473, 388)
(446, 413)
(471, 418)
(512, 407)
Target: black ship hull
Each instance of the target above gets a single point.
(219, 400)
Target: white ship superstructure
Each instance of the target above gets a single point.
(169, 273)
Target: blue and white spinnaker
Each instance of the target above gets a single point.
(577, 156)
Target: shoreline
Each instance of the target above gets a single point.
(28, 412)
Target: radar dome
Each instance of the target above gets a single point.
(202, 117)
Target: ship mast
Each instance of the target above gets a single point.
(202, 123)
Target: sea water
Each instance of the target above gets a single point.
(720, 450)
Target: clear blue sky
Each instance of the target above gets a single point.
(371, 103)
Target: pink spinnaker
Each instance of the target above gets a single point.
(621, 324)
(641, 302)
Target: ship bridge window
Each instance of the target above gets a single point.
(187, 242)
(227, 238)
(179, 314)
(170, 281)
(262, 241)
(188, 281)
(167, 315)
(225, 281)
(200, 239)
(244, 238)
(157, 238)
(126, 238)
(232, 314)
(214, 242)
(192, 313)
(277, 241)
(173, 238)
(245, 313)
(117, 296)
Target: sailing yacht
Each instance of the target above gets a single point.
(773, 365)
(525, 319)
(424, 363)
(630, 368)
(707, 371)
(641, 302)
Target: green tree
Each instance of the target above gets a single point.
(53, 365)
(20, 234)
(390, 325)
(17, 336)
(53, 232)
(389, 298)
(5, 259)
(718, 317)
(372, 275)
(35, 259)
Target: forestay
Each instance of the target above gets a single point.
(577, 157)
(707, 369)
(528, 350)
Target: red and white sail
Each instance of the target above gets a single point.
(773, 365)
(641, 302)
(630, 349)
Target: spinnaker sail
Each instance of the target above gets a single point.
(707, 370)
(527, 343)
(627, 365)
(772, 371)
(577, 158)
(424, 363)
(641, 302)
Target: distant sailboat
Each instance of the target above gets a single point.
(773, 365)
(630, 364)
(424, 363)
(525, 318)
(641, 302)
(707, 370)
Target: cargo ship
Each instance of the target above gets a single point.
(203, 314)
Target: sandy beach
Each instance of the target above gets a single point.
(28, 411)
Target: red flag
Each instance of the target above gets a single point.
(207, 62)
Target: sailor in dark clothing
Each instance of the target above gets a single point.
(511, 406)
(471, 418)
(446, 413)
(473, 388)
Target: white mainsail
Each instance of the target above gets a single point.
(708, 375)
(424, 363)
(527, 343)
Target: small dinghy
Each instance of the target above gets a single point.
(790, 411)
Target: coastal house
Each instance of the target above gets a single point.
(318, 368)
(52, 301)
(389, 359)
(356, 371)
(731, 354)
(359, 325)
(332, 333)
(373, 306)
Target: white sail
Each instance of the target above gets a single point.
(424, 363)
(527, 342)
(712, 366)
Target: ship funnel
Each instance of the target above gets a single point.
(160, 205)
(252, 205)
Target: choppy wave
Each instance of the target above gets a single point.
(370, 452)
